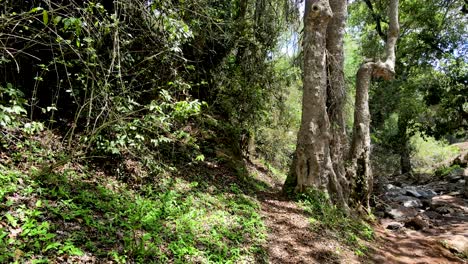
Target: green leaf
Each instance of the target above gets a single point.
(11, 219)
(57, 20)
(45, 17)
(54, 245)
(200, 157)
(36, 9)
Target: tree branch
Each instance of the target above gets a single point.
(377, 19)
(393, 32)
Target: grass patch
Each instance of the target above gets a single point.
(326, 216)
(429, 151)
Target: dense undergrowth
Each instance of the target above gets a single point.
(123, 126)
(76, 212)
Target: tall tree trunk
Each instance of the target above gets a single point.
(404, 145)
(359, 170)
(337, 90)
(405, 160)
(312, 166)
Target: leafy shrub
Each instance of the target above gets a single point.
(12, 106)
(445, 171)
(429, 151)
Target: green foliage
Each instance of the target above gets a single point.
(275, 134)
(429, 92)
(176, 221)
(12, 106)
(429, 151)
(446, 170)
(446, 95)
(323, 214)
(137, 78)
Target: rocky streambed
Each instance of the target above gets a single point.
(436, 210)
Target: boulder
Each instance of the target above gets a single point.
(416, 223)
(457, 244)
(394, 226)
(392, 190)
(401, 213)
(407, 201)
(455, 175)
(419, 192)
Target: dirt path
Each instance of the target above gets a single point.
(290, 240)
(422, 222)
(435, 243)
(410, 247)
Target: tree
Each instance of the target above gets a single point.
(359, 170)
(321, 136)
(336, 91)
(312, 163)
(431, 40)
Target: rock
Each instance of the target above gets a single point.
(413, 192)
(426, 203)
(455, 175)
(401, 213)
(396, 214)
(394, 226)
(461, 160)
(412, 203)
(420, 192)
(416, 223)
(443, 210)
(392, 190)
(438, 187)
(454, 193)
(457, 244)
(408, 201)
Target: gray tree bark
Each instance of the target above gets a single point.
(336, 96)
(318, 160)
(359, 170)
(312, 165)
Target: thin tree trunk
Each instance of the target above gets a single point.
(359, 170)
(405, 161)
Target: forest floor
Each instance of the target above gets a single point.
(210, 212)
(290, 236)
(423, 219)
(434, 231)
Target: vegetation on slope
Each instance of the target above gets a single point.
(77, 212)
(123, 125)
